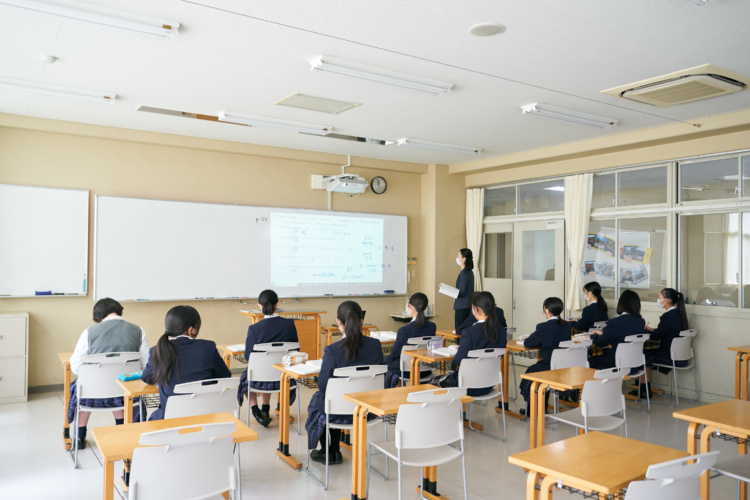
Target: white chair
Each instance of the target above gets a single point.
(97, 379)
(425, 432)
(601, 399)
(346, 381)
(214, 395)
(482, 369)
(680, 350)
(184, 465)
(737, 467)
(599, 325)
(405, 364)
(674, 480)
(569, 354)
(575, 343)
(260, 369)
(629, 354)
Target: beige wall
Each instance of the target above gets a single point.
(129, 163)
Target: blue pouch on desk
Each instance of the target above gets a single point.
(125, 377)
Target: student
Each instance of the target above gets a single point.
(547, 338)
(465, 285)
(485, 333)
(179, 357)
(595, 312)
(471, 320)
(354, 349)
(272, 328)
(110, 333)
(419, 327)
(629, 322)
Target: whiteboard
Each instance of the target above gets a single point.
(44, 238)
(171, 250)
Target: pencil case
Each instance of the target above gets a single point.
(294, 358)
(125, 377)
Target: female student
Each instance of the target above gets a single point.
(272, 328)
(547, 338)
(179, 357)
(595, 312)
(485, 333)
(471, 320)
(419, 327)
(465, 285)
(354, 349)
(629, 322)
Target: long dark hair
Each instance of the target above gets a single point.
(178, 321)
(350, 315)
(630, 303)
(486, 302)
(556, 307)
(466, 254)
(419, 302)
(678, 300)
(596, 291)
(268, 300)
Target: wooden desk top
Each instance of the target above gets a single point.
(564, 378)
(292, 373)
(254, 312)
(64, 357)
(137, 387)
(449, 334)
(740, 348)
(387, 401)
(517, 346)
(732, 415)
(117, 442)
(425, 356)
(598, 461)
(225, 348)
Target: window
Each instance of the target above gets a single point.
(546, 196)
(498, 255)
(539, 255)
(643, 186)
(746, 175)
(500, 201)
(603, 193)
(643, 263)
(709, 180)
(599, 260)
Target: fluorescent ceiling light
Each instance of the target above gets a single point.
(378, 75)
(568, 116)
(438, 146)
(261, 121)
(55, 91)
(100, 15)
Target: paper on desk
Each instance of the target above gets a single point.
(304, 369)
(444, 351)
(315, 362)
(236, 347)
(448, 290)
(384, 335)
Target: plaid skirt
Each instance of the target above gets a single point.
(98, 403)
(263, 386)
(316, 421)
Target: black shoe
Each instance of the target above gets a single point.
(320, 457)
(263, 420)
(82, 443)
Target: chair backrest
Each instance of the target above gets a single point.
(422, 341)
(187, 463)
(509, 331)
(629, 355)
(97, 377)
(481, 368)
(681, 349)
(348, 380)
(405, 360)
(603, 396)
(436, 419)
(569, 357)
(214, 395)
(599, 325)
(640, 337)
(260, 364)
(674, 480)
(689, 333)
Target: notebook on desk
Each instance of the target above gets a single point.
(236, 347)
(444, 351)
(381, 336)
(309, 368)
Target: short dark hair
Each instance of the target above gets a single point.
(629, 303)
(105, 307)
(268, 300)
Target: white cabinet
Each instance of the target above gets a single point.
(14, 357)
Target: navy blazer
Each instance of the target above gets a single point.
(547, 338)
(670, 326)
(471, 320)
(465, 285)
(614, 333)
(405, 333)
(334, 356)
(276, 329)
(591, 314)
(198, 360)
(473, 338)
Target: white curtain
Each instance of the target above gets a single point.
(577, 213)
(474, 226)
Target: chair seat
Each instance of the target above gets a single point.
(493, 394)
(370, 423)
(575, 417)
(737, 466)
(422, 457)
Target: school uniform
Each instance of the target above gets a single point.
(591, 314)
(198, 359)
(462, 303)
(471, 320)
(670, 326)
(394, 359)
(473, 338)
(547, 337)
(334, 356)
(613, 335)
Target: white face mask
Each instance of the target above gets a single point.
(458, 261)
(661, 302)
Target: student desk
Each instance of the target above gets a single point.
(593, 462)
(330, 331)
(741, 372)
(729, 418)
(514, 347)
(419, 356)
(383, 402)
(65, 361)
(307, 324)
(227, 354)
(449, 335)
(134, 389)
(286, 376)
(118, 442)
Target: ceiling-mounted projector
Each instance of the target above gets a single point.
(351, 184)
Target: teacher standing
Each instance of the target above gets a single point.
(465, 285)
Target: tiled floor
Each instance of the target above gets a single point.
(33, 464)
